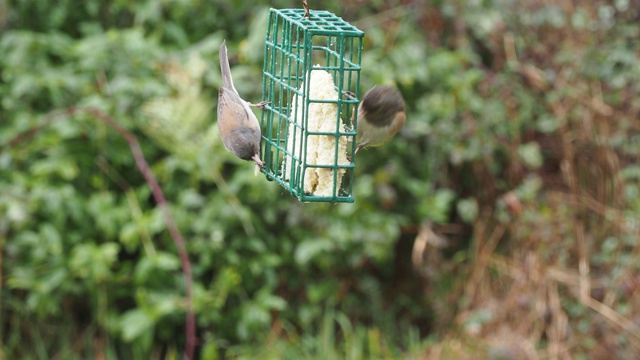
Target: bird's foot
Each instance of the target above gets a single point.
(349, 93)
(358, 149)
(258, 161)
(260, 104)
(349, 158)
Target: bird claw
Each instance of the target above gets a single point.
(260, 104)
(350, 93)
(258, 161)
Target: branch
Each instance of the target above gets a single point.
(158, 196)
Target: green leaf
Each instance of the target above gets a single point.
(309, 249)
(94, 261)
(437, 207)
(530, 155)
(134, 323)
(468, 209)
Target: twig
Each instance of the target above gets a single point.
(158, 195)
(384, 16)
(307, 13)
(34, 130)
(171, 226)
(483, 249)
(571, 279)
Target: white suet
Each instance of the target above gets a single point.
(321, 117)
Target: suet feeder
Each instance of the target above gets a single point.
(311, 77)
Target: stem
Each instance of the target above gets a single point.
(171, 226)
(158, 195)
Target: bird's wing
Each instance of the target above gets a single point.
(234, 112)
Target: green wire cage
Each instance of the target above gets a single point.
(311, 78)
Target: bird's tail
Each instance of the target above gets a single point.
(225, 69)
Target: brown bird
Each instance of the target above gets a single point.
(380, 117)
(238, 126)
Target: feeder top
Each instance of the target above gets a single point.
(322, 22)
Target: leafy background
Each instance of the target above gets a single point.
(501, 223)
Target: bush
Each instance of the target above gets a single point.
(500, 221)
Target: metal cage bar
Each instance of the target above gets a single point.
(294, 47)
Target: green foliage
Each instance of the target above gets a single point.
(335, 338)
(519, 154)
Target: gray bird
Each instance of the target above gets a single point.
(238, 126)
(380, 117)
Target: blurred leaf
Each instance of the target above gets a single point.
(438, 206)
(530, 155)
(468, 209)
(307, 250)
(134, 323)
(94, 261)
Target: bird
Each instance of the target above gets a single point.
(380, 117)
(238, 126)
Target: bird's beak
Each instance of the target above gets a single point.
(258, 161)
